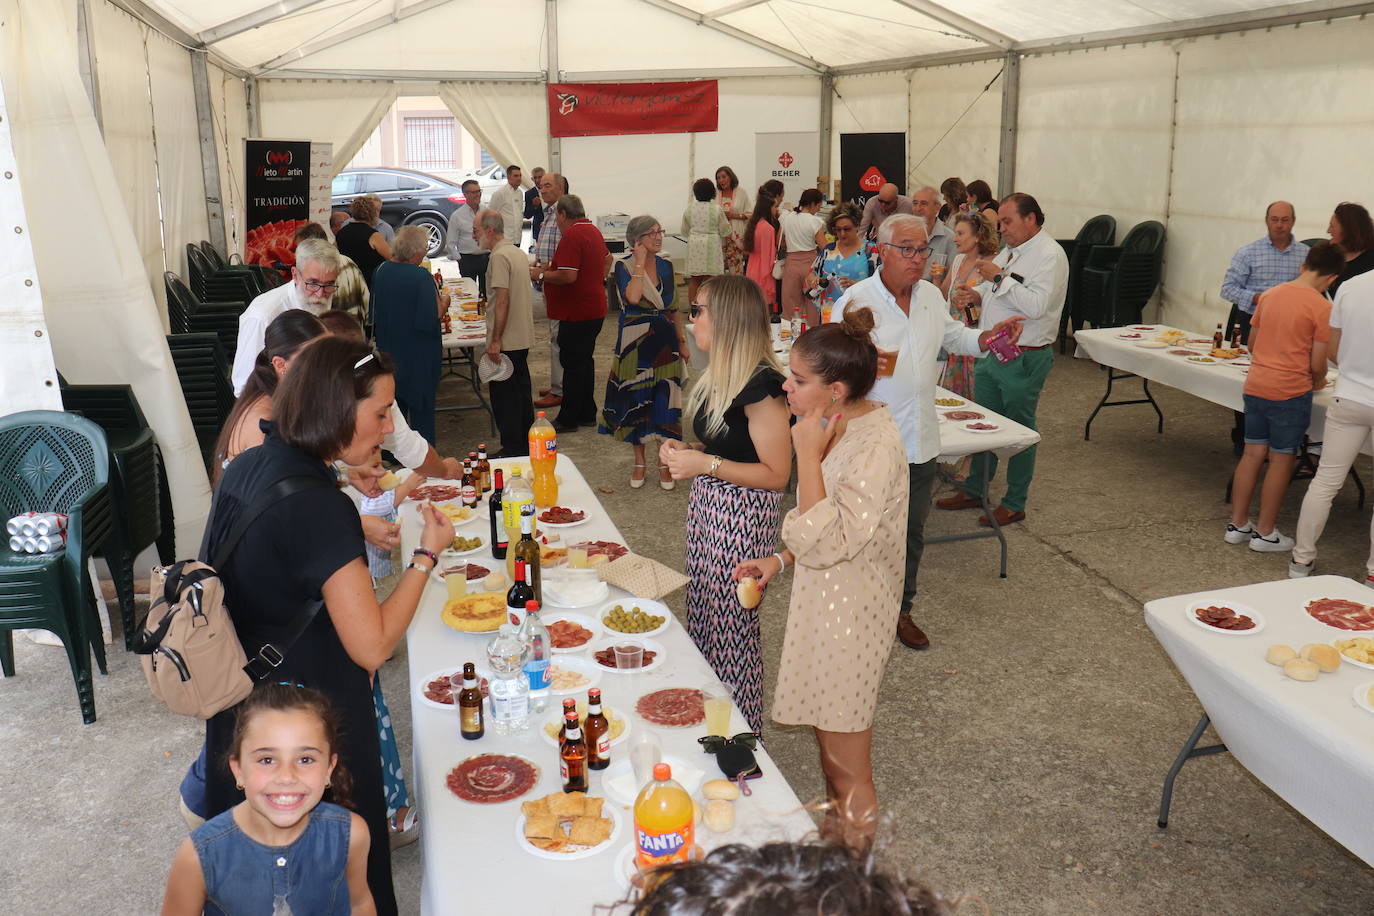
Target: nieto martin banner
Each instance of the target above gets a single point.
(609, 109)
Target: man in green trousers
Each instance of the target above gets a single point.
(1029, 278)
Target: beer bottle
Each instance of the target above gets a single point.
(1217, 337)
(573, 756)
(569, 709)
(476, 471)
(470, 723)
(484, 467)
(598, 732)
(469, 486)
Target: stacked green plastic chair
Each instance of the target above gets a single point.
(203, 371)
(55, 462)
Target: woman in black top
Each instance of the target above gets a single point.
(360, 242)
(738, 468)
(1352, 229)
(334, 404)
(980, 197)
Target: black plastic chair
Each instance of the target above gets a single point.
(1310, 242)
(1118, 281)
(211, 284)
(267, 277)
(188, 314)
(55, 462)
(1100, 230)
(142, 500)
(203, 371)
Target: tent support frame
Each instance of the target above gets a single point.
(551, 33)
(1011, 107)
(90, 77)
(827, 125)
(209, 155)
(249, 21)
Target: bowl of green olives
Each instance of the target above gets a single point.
(635, 616)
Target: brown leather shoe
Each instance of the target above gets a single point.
(1004, 517)
(551, 400)
(959, 500)
(909, 634)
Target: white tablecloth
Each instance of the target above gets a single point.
(473, 861)
(1308, 742)
(1222, 382)
(956, 441)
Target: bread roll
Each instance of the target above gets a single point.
(749, 593)
(720, 788)
(388, 481)
(1278, 655)
(1301, 669)
(494, 582)
(1326, 657)
(720, 815)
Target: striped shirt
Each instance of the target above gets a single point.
(1259, 266)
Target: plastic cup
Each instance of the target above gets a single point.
(719, 702)
(629, 655)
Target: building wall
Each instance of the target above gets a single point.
(387, 145)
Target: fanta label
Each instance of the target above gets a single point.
(660, 848)
(543, 448)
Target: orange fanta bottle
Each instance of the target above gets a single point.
(663, 821)
(543, 458)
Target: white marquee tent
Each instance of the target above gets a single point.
(122, 122)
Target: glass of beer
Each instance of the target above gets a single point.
(938, 266)
(719, 702)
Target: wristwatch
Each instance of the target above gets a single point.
(996, 279)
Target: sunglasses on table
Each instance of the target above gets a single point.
(712, 744)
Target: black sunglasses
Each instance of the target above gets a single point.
(712, 744)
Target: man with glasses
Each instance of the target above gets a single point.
(911, 324)
(1029, 279)
(547, 235)
(886, 203)
(461, 240)
(312, 286)
(925, 203)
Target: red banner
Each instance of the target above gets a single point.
(610, 109)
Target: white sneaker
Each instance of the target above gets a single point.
(1298, 570)
(1236, 535)
(1274, 543)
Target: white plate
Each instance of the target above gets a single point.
(615, 742)
(584, 666)
(553, 597)
(1238, 608)
(606, 811)
(455, 554)
(581, 620)
(969, 429)
(450, 671)
(1360, 695)
(1132, 335)
(645, 605)
(653, 645)
(586, 517)
(478, 515)
(1204, 360)
(1143, 327)
(617, 780)
(945, 415)
(625, 868)
(1152, 344)
(962, 403)
(1348, 659)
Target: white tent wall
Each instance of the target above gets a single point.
(868, 103)
(340, 112)
(105, 325)
(229, 107)
(940, 100)
(510, 120)
(181, 178)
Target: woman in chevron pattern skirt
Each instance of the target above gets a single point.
(739, 467)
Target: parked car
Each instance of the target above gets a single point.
(409, 198)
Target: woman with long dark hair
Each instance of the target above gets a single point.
(803, 232)
(1352, 229)
(761, 246)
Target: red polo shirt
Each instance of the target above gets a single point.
(583, 249)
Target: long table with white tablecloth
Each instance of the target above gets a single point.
(1310, 742)
(473, 860)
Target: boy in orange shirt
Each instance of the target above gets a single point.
(1288, 344)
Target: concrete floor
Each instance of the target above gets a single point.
(1018, 761)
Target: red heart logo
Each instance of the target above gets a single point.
(872, 180)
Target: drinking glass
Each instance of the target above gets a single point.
(629, 655)
(719, 702)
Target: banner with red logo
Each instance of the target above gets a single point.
(792, 158)
(869, 161)
(277, 191)
(611, 109)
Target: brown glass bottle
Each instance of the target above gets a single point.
(573, 756)
(484, 468)
(468, 486)
(569, 709)
(469, 703)
(598, 730)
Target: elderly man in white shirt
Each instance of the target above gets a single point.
(509, 201)
(911, 324)
(1029, 279)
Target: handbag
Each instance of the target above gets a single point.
(189, 650)
(780, 263)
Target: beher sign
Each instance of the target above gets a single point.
(278, 198)
(612, 109)
(792, 158)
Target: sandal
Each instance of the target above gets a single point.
(404, 827)
(637, 482)
(667, 482)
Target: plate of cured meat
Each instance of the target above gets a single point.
(435, 689)
(435, 493)
(563, 517)
(489, 779)
(962, 415)
(673, 707)
(981, 427)
(603, 653)
(1341, 613)
(570, 632)
(1225, 617)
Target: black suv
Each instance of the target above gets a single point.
(409, 198)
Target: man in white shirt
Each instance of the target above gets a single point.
(925, 203)
(911, 324)
(1029, 279)
(509, 201)
(461, 240)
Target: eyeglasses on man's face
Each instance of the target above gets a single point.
(908, 251)
(315, 286)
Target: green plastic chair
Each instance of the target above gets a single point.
(187, 314)
(1118, 281)
(55, 462)
(1100, 230)
(203, 371)
(138, 486)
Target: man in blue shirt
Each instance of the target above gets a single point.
(1256, 267)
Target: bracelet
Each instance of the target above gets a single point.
(422, 552)
(716, 462)
(782, 564)
(413, 565)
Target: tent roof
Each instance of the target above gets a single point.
(436, 39)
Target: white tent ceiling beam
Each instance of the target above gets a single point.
(946, 16)
(324, 44)
(732, 8)
(707, 73)
(155, 20)
(249, 21)
(802, 60)
(420, 76)
(943, 59)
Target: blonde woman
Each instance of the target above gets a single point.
(738, 467)
(975, 237)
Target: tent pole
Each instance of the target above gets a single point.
(1011, 105)
(209, 156)
(551, 34)
(86, 58)
(250, 95)
(827, 128)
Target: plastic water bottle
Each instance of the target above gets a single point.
(509, 690)
(535, 636)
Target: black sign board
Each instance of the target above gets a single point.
(869, 161)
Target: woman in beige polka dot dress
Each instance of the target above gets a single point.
(847, 538)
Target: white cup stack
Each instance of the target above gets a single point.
(37, 532)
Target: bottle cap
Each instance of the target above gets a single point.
(540, 414)
(530, 605)
(662, 771)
